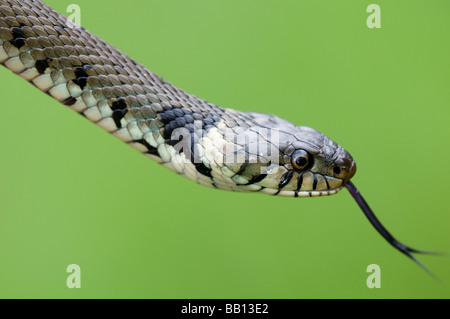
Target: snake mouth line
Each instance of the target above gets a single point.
(308, 193)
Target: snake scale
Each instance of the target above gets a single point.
(213, 146)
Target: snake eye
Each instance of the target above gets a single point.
(301, 159)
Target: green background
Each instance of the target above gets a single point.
(71, 193)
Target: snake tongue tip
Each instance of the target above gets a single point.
(384, 232)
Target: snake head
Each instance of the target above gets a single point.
(288, 160)
(321, 165)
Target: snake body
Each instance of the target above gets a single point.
(214, 146)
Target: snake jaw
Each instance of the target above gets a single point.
(309, 193)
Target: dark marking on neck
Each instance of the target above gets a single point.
(202, 169)
(174, 117)
(257, 179)
(300, 181)
(286, 179)
(326, 182)
(173, 141)
(243, 166)
(151, 150)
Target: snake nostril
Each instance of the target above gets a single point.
(336, 170)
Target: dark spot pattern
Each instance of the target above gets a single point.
(119, 107)
(174, 141)
(81, 82)
(286, 179)
(257, 178)
(151, 150)
(19, 37)
(202, 169)
(119, 104)
(175, 118)
(41, 66)
(118, 116)
(243, 166)
(70, 101)
(299, 181)
(314, 182)
(81, 76)
(326, 181)
(80, 72)
(131, 92)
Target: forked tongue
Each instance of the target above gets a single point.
(383, 231)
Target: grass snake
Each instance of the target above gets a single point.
(211, 145)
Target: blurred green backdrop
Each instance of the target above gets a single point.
(71, 193)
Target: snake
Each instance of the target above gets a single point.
(214, 146)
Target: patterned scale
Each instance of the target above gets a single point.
(100, 82)
(85, 73)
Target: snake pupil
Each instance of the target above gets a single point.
(301, 161)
